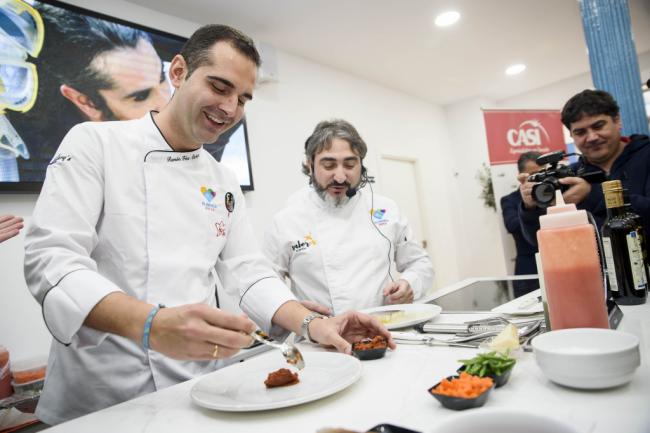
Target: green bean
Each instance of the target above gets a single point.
(486, 364)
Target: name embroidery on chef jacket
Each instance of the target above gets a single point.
(302, 245)
(379, 216)
(178, 158)
(208, 195)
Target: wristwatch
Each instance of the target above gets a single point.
(304, 328)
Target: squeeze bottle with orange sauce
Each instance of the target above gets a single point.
(571, 266)
(5, 374)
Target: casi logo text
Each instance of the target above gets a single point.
(529, 133)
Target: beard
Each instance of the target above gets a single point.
(330, 200)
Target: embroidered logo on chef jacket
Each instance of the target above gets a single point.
(208, 195)
(310, 239)
(229, 201)
(59, 159)
(301, 245)
(221, 228)
(379, 216)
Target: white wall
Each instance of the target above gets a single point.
(477, 234)
(281, 116)
(21, 325)
(284, 114)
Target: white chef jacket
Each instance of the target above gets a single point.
(336, 256)
(121, 211)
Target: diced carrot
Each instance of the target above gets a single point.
(465, 386)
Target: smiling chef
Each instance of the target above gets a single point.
(135, 222)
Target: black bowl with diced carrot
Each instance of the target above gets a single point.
(463, 391)
(496, 365)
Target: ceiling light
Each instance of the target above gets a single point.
(446, 19)
(515, 69)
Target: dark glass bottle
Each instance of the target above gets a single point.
(626, 270)
(629, 213)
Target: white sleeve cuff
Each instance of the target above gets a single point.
(415, 282)
(66, 305)
(263, 299)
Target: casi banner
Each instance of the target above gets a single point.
(513, 132)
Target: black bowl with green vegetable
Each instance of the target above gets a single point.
(496, 365)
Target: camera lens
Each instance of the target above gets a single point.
(544, 193)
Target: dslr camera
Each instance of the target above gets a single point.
(548, 179)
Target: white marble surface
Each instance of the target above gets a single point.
(394, 390)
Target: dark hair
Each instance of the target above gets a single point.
(589, 103)
(196, 49)
(82, 38)
(524, 158)
(322, 138)
(86, 38)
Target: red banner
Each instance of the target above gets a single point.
(511, 133)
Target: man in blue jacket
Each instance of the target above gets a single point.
(510, 204)
(592, 117)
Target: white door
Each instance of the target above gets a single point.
(399, 181)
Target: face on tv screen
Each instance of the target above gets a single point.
(62, 65)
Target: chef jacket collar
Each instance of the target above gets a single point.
(160, 149)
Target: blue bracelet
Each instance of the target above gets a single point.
(147, 325)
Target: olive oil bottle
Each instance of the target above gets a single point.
(622, 246)
(629, 212)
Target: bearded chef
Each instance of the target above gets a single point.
(133, 226)
(338, 243)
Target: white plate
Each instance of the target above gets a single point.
(401, 315)
(240, 387)
(502, 420)
(525, 305)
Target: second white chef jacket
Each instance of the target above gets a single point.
(340, 256)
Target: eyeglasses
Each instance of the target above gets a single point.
(12, 142)
(18, 84)
(22, 25)
(21, 33)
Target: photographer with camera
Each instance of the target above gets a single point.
(510, 204)
(592, 117)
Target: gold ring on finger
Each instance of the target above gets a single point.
(215, 352)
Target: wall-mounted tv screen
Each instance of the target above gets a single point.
(62, 65)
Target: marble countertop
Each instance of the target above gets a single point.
(394, 390)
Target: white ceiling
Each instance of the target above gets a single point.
(395, 44)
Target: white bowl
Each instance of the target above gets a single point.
(502, 421)
(587, 358)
